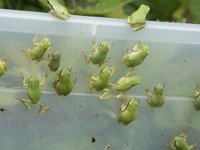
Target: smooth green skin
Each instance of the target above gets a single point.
(39, 50)
(156, 98)
(136, 56)
(54, 62)
(126, 82)
(99, 53)
(63, 83)
(34, 90)
(128, 111)
(3, 67)
(180, 143)
(102, 81)
(58, 9)
(137, 19)
(196, 97)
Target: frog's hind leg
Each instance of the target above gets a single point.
(42, 108)
(26, 103)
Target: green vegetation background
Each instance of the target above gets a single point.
(163, 10)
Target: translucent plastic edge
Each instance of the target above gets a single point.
(28, 15)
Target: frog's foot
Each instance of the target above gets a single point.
(27, 53)
(192, 147)
(44, 79)
(138, 27)
(105, 94)
(121, 95)
(94, 45)
(148, 92)
(26, 103)
(87, 58)
(42, 109)
(34, 39)
(150, 103)
(90, 86)
(112, 70)
(24, 81)
(4, 59)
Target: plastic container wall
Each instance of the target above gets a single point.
(73, 120)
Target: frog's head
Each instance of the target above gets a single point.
(105, 73)
(64, 75)
(180, 141)
(58, 9)
(145, 50)
(46, 42)
(33, 82)
(56, 55)
(144, 8)
(105, 46)
(159, 89)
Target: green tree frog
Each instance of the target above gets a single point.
(180, 143)
(125, 83)
(39, 50)
(58, 9)
(137, 19)
(99, 54)
(101, 83)
(63, 83)
(54, 61)
(136, 56)
(156, 98)
(34, 92)
(128, 111)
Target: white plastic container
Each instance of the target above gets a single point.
(73, 120)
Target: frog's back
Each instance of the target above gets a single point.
(38, 51)
(34, 95)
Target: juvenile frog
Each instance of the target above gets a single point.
(125, 83)
(128, 111)
(54, 61)
(136, 56)
(39, 50)
(98, 56)
(101, 83)
(137, 19)
(34, 92)
(180, 143)
(63, 83)
(156, 98)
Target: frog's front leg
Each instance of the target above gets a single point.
(94, 45)
(44, 79)
(138, 27)
(105, 94)
(24, 81)
(149, 93)
(34, 40)
(90, 85)
(121, 95)
(112, 71)
(87, 58)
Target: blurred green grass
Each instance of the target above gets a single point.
(162, 10)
